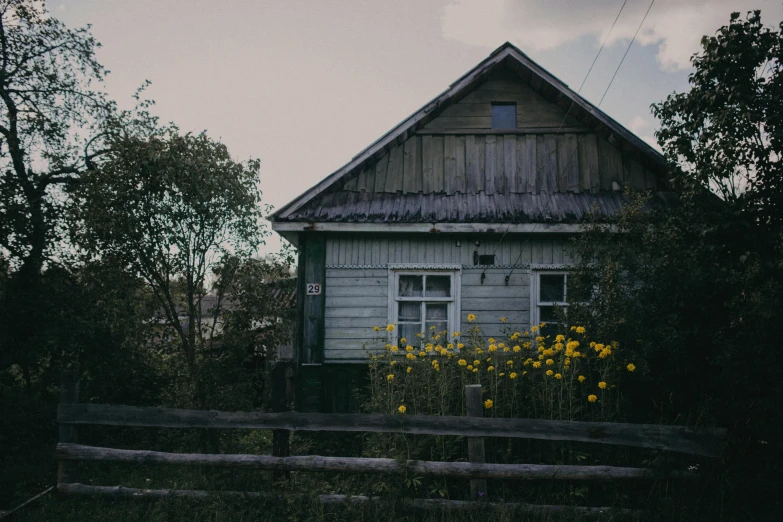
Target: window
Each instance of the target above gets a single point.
(504, 115)
(423, 301)
(549, 291)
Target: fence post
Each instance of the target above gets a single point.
(69, 394)
(279, 403)
(475, 408)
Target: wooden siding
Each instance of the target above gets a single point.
(357, 273)
(500, 163)
(474, 110)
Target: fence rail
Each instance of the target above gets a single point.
(70, 414)
(698, 441)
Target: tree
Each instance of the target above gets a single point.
(170, 208)
(50, 133)
(725, 135)
(695, 291)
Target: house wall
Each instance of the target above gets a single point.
(357, 284)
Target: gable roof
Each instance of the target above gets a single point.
(508, 56)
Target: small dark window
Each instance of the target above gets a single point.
(504, 115)
(488, 259)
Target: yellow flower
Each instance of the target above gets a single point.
(631, 367)
(492, 348)
(390, 377)
(506, 349)
(550, 362)
(537, 364)
(558, 376)
(460, 346)
(392, 363)
(491, 340)
(592, 398)
(549, 373)
(422, 354)
(567, 361)
(402, 408)
(602, 385)
(475, 370)
(560, 338)
(573, 328)
(502, 319)
(408, 369)
(539, 339)
(409, 348)
(479, 351)
(471, 318)
(510, 362)
(410, 356)
(581, 378)
(490, 368)
(376, 328)
(534, 329)
(606, 352)
(528, 361)
(598, 347)
(476, 362)
(419, 335)
(541, 357)
(501, 374)
(488, 404)
(462, 362)
(512, 375)
(394, 349)
(389, 327)
(541, 325)
(470, 367)
(524, 373)
(456, 334)
(517, 349)
(515, 336)
(403, 340)
(580, 329)
(576, 353)
(450, 346)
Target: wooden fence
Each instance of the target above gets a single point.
(705, 442)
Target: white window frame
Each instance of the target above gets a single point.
(535, 304)
(453, 310)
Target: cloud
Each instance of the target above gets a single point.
(638, 124)
(674, 26)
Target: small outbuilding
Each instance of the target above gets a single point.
(466, 207)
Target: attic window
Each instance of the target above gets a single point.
(504, 115)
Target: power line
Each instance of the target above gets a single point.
(626, 52)
(570, 106)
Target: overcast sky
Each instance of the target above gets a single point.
(305, 85)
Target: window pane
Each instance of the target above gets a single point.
(409, 312)
(438, 286)
(551, 288)
(439, 327)
(408, 332)
(410, 286)
(546, 314)
(504, 116)
(437, 312)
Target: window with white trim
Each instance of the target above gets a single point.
(549, 292)
(423, 301)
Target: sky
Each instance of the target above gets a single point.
(306, 85)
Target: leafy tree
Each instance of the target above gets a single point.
(170, 208)
(53, 121)
(695, 290)
(725, 134)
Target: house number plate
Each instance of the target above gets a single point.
(313, 289)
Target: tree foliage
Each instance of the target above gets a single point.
(171, 208)
(726, 133)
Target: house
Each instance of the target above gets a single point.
(465, 207)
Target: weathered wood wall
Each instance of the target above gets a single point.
(357, 282)
(459, 152)
(474, 112)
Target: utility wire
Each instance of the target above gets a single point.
(571, 105)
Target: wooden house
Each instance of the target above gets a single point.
(465, 207)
